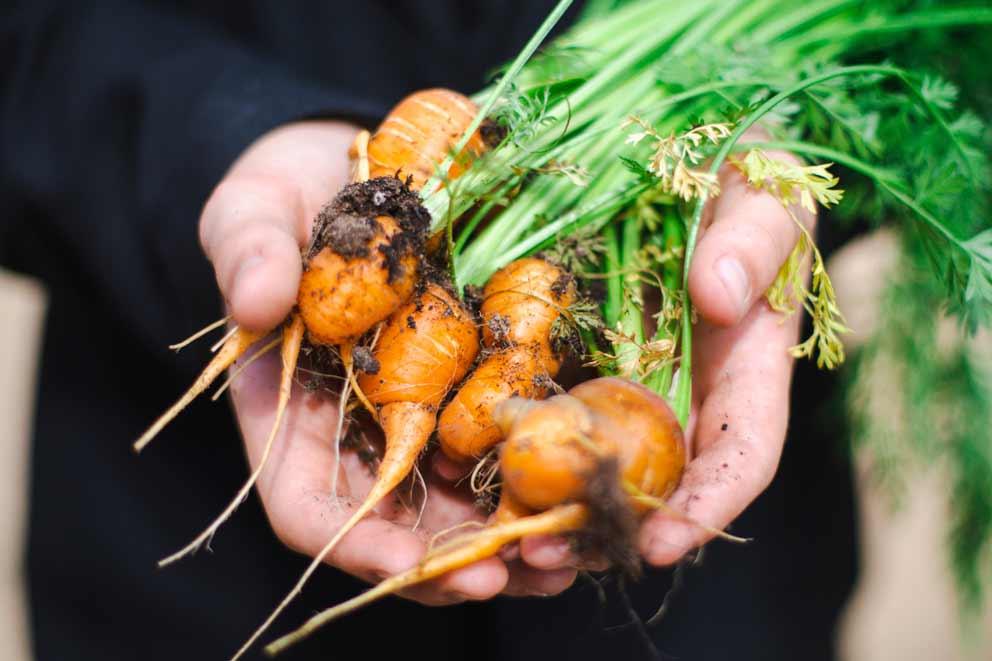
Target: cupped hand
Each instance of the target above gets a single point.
(742, 371)
(252, 230)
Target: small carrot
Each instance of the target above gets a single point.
(423, 127)
(521, 303)
(545, 441)
(426, 347)
(363, 259)
(483, 544)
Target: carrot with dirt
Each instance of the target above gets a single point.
(423, 126)
(425, 348)
(602, 456)
(363, 260)
(521, 304)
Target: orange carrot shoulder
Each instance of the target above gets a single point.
(520, 304)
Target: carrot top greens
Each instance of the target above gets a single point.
(615, 132)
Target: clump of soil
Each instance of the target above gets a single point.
(499, 326)
(492, 133)
(561, 284)
(364, 361)
(348, 223)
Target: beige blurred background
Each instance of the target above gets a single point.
(22, 305)
(902, 608)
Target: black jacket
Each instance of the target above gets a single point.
(117, 120)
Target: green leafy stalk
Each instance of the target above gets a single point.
(433, 184)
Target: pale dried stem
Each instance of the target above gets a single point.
(291, 340)
(200, 333)
(486, 543)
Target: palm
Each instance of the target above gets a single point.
(297, 486)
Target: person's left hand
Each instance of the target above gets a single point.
(742, 372)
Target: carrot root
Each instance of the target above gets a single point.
(291, 341)
(407, 426)
(200, 333)
(236, 344)
(346, 350)
(659, 504)
(241, 368)
(479, 546)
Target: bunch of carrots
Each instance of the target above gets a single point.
(462, 337)
(370, 289)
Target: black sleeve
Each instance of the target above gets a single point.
(117, 120)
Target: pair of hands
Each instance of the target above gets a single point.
(252, 229)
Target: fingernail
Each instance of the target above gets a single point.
(734, 278)
(551, 552)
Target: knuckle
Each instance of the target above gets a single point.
(765, 465)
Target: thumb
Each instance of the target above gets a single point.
(260, 215)
(739, 255)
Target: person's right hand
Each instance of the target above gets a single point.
(252, 230)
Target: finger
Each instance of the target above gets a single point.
(548, 552)
(738, 436)
(741, 251)
(477, 582)
(375, 549)
(526, 581)
(251, 232)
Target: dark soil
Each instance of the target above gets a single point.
(364, 361)
(348, 223)
(492, 133)
(499, 326)
(473, 298)
(560, 286)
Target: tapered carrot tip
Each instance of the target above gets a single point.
(235, 347)
(408, 426)
(292, 338)
(476, 546)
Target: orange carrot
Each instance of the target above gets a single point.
(605, 431)
(521, 303)
(363, 260)
(426, 347)
(230, 351)
(423, 126)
